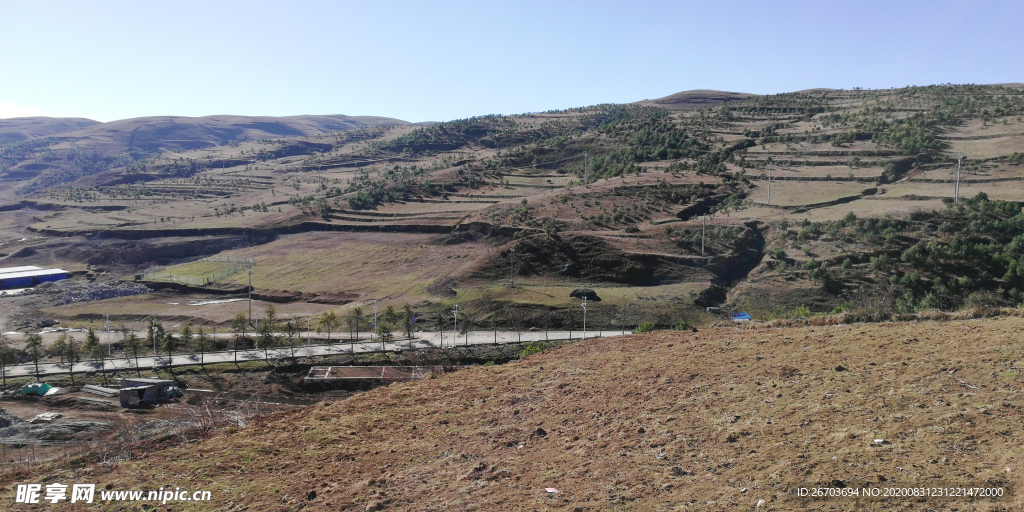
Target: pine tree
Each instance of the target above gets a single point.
(133, 346)
(407, 320)
(328, 321)
(33, 345)
(92, 344)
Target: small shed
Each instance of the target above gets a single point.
(138, 391)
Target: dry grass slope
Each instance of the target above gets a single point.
(719, 419)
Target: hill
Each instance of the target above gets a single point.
(52, 152)
(810, 208)
(697, 98)
(146, 135)
(783, 205)
(26, 128)
(720, 419)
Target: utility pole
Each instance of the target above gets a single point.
(584, 306)
(106, 325)
(586, 168)
(309, 330)
(703, 225)
(511, 267)
(956, 190)
(769, 186)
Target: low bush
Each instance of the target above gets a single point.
(644, 327)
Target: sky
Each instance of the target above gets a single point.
(443, 60)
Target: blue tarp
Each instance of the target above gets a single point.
(739, 317)
(36, 389)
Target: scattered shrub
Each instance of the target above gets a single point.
(644, 327)
(683, 325)
(533, 348)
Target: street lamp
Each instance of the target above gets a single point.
(152, 332)
(584, 306)
(249, 289)
(106, 325)
(455, 334)
(374, 318)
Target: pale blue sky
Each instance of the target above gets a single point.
(440, 60)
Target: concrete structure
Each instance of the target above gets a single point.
(336, 374)
(26, 278)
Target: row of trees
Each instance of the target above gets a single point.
(386, 324)
(269, 332)
(65, 347)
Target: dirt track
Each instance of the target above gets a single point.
(719, 419)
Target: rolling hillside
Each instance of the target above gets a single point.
(698, 98)
(876, 237)
(663, 207)
(27, 128)
(76, 148)
(144, 136)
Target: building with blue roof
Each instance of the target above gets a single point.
(28, 276)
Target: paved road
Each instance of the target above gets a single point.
(344, 346)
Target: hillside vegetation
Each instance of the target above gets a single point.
(664, 207)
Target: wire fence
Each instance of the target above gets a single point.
(237, 263)
(238, 260)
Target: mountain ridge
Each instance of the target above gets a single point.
(696, 98)
(18, 129)
(209, 130)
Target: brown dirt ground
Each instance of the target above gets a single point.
(652, 422)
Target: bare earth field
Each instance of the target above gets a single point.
(174, 308)
(1011, 191)
(874, 205)
(374, 265)
(721, 419)
(794, 193)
